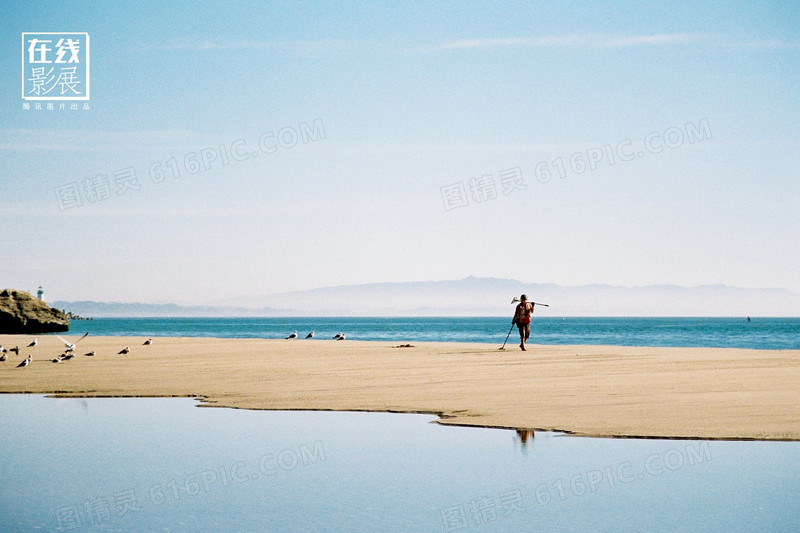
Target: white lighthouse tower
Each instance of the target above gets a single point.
(40, 293)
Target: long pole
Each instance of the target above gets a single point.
(515, 300)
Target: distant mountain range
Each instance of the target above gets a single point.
(91, 309)
(474, 297)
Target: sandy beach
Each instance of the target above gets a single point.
(707, 393)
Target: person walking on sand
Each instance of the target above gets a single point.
(522, 318)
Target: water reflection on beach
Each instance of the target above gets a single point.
(524, 435)
(163, 464)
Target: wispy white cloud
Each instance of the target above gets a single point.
(650, 40)
(302, 47)
(483, 43)
(357, 149)
(48, 207)
(587, 40)
(578, 40)
(66, 140)
(602, 41)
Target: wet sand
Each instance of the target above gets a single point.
(709, 393)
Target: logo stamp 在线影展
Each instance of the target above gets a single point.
(55, 66)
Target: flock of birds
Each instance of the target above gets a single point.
(70, 347)
(68, 353)
(337, 337)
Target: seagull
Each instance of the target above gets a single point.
(56, 360)
(34, 343)
(310, 335)
(293, 335)
(124, 351)
(70, 346)
(338, 336)
(90, 353)
(341, 338)
(148, 342)
(2, 349)
(15, 349)
(3, 357)
(67, 356)
(25, 362)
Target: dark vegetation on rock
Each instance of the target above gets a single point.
(22, 313)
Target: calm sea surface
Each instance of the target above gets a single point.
(162, 464)
(759, 333)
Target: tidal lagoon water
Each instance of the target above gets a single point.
(163, 464)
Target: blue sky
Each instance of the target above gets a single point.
(401, 105)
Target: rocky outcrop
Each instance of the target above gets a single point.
(22, 313)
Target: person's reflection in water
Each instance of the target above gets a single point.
(524, 435)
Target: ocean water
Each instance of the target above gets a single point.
(162, 464)
(758, 333)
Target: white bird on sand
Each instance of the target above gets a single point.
(148, 342)
(338, 336)
(70, 346)
(90, 353)
(25, 362)
(67, 356)
(55, 360)
(124, 351)
(33, 343)
(341, 337)
(293, 335)
(310, 335)
(2, 349)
